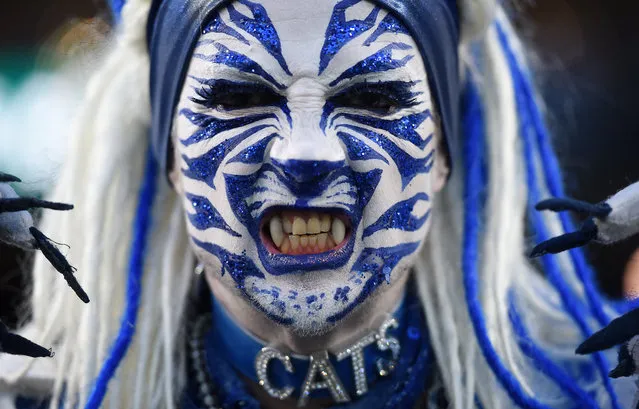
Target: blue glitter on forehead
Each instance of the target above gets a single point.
(254, 154)
(389, 24)
(400, 216)
(404, 127)
(358, 150)
(408, 166)
(206, 216)
(205, 167)
(379, 263)
(379, 62)
(340, 31)
(261, 27)
(211, 126)
(216, 25)
(239, 61)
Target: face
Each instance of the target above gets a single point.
(306, 146)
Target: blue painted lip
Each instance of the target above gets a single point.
(282, 264)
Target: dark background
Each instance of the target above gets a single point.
(585, 54)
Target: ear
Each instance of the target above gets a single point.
(175, 176)
(441, 169)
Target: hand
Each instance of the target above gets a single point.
(16, 229)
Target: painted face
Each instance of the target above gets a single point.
(305, 139)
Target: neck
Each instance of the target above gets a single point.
(354, 326)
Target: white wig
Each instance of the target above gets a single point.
(503, 334)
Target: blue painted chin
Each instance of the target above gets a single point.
(278, 264)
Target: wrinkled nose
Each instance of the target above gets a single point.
(307, 154)
(304, 171)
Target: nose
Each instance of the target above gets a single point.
(307, 154)
(304, 171)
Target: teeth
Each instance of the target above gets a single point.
(321, 241)
(288, 225)
(295, 241)
(338, 230)
(325, 224)
(277, 235)
(286, 245)
(313, 225)
(299, 225)
(307, 233)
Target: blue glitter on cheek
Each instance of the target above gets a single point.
(254, 154)
(400, 216)
(379, 264)
(211, 126)
(292, 295)
(358, 150)
(311, 299)
(206, 216)
(341, 294)
(340, 32)
(297, 307)
(408, 166)
(403, 128)
(205, 167)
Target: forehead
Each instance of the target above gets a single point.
(310, 37)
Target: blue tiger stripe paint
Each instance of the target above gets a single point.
(218, 26)
(379, 263)
(206, 216)
(205, 167)
(210, 126)
(379, 62)
(261, 27)
(408, 166)
(340, 31)
(404, 127)
(400, 216)
(239, 61)
(389, 24)
(358, 150)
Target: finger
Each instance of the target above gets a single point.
(17, 345)
(25, 203)
(599, 210)
(59, 262)
(7, 178)
(617, 332)
(567, 241)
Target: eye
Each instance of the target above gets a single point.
(382, 97)
(369, 100)
(225, 97)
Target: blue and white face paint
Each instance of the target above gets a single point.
(306, 143)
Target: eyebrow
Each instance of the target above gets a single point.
(381, 61)
(240, 62)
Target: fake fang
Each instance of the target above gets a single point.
(304, 232)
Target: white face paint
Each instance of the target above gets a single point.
(306, 143)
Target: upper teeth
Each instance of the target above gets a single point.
(293, 234)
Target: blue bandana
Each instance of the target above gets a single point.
(175, 25)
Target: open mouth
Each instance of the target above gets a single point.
(300, 232)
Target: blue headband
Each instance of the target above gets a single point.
(175, 25)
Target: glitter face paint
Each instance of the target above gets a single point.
(299, 106)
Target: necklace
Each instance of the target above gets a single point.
(226, 390)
